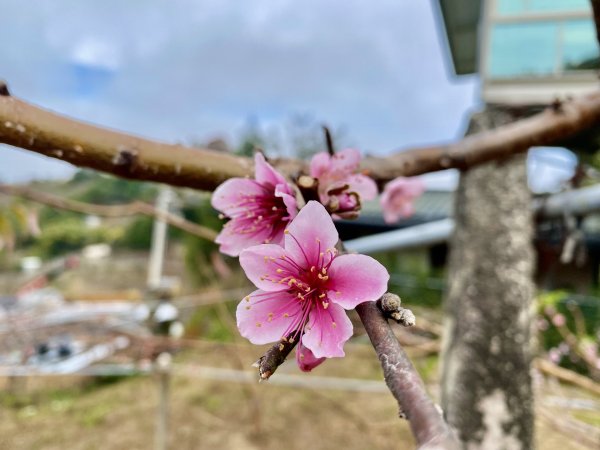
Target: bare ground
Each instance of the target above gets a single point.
(63, 413)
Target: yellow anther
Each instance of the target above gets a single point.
(322, 295)
(313, 268)
(247, 298)
(324, 270)
(301, 356)
(321, 254)
(248, 307)
(292, 281)
(333, 324)
(274, 208)
(291, 340)
(279, 270)
(286, 315)
(258, 324)
(325, 305)
(286, 231)
(338, 293)
(281, 347)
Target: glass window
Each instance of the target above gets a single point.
(579, 45)
(525, 6)
(530, 49)
(521, 49)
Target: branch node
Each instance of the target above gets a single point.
(557, 105)
(4, 89)
(391, 306)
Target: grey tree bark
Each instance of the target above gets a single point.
(486, 384)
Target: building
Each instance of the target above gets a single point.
(527, 52)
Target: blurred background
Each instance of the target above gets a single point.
(91, 296)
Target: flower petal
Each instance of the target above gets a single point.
(228, 195)
(319, 164)
(264, 317)
(346, 161)
(355, 279)
(264, 173)
(305, 359)
(311, 232)
(232, 243)
(264, 266)
(327, 331)
(363, 186)
(289, 200)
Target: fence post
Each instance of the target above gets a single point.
(162, 368)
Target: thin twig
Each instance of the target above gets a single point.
(275, 356)
(328, 141)
(129, 209)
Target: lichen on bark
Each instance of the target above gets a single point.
(486, 356)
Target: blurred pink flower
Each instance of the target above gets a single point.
(398, 196)
(554, 355)
(259, 209)
(304, 288)
(559, 320)
(341, 188)
(542, 324)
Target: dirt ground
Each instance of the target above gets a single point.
(70, 413)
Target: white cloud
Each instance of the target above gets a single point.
(195, 69)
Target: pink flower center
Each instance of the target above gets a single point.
(308, 281)
(255, 213)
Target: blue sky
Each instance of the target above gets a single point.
(194, 70)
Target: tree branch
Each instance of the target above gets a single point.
(426, 422)
(129, 209)
(32, 128)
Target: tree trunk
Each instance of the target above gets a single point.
(486, 384)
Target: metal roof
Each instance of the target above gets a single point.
(461, 18)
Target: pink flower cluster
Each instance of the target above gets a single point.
(304, 288)
(303, 285)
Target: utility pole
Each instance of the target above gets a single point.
(159, 239)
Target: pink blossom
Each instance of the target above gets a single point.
(259, 209)
(341, 188)
(304, 288)
(398, 196)
(559, 320)
(554, 355)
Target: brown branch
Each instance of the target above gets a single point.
(426, 422)
(129, 209)
(566, 375)
(29, 127)
(275, 356)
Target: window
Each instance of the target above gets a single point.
(540, 6)
(540, 48)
